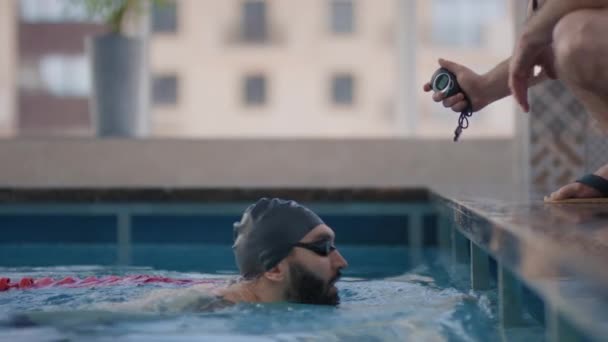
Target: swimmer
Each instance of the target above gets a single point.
(284, 252)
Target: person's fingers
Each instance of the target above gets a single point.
(520, 89)
(460, 106)
(451, 66)
(452, 100)
(438, 97)
(518, 82)
(527, 54)
(427, 87)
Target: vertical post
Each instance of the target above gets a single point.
(406, 65)
(8, 65)
(509, 299)
(124, 238)
(552, 323)
(480, 269)
(522, 166)
(460, 247)
(137, 24)
(559, 329)
(415, 237)
(444, 234)
(145, 118)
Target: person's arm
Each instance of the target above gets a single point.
(497, 83)
(166, 300)
(482, 90)
(539, 27)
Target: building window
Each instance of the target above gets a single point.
(342, 16)
(254, 90)
(458, 23)
(164, 17)
(164, 90)
(343, 89)
(36, 11)
(65, 76)
(254, 27)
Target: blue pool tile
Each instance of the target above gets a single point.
(57, 228)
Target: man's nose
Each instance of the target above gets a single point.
(338, 260)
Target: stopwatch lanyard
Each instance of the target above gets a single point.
(463, 120)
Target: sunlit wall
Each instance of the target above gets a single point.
(253, 68)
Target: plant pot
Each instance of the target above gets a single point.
(119, 98)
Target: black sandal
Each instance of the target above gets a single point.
(596, 182)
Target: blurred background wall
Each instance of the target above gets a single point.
(261, 92)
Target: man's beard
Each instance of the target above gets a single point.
(307, 288)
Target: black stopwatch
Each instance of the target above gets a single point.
(445, 82)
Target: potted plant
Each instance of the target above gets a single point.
(119, 103)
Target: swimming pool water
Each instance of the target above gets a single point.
(388, 294)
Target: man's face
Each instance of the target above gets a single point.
(312, 276)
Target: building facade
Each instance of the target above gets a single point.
(8, 56)
(269, 68)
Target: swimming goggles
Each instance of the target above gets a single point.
(322, 247)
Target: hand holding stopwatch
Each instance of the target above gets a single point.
(445, 82)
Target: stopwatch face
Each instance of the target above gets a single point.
(442, 82)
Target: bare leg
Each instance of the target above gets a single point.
(581, 58)
(580, 43)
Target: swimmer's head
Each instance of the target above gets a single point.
(289, 245)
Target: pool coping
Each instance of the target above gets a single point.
(558, 260)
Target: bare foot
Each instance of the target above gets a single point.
(578, 190)
(573, 190)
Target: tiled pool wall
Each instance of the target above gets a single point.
(518, 305)
(127, 225)
(125, 218)
(465, 237)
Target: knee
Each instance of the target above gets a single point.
(574, 45)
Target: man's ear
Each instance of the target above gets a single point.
(278, 273)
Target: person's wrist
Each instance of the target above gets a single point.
(487, 92)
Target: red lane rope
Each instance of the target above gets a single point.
(72, 282)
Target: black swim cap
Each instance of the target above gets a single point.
(267, 232)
